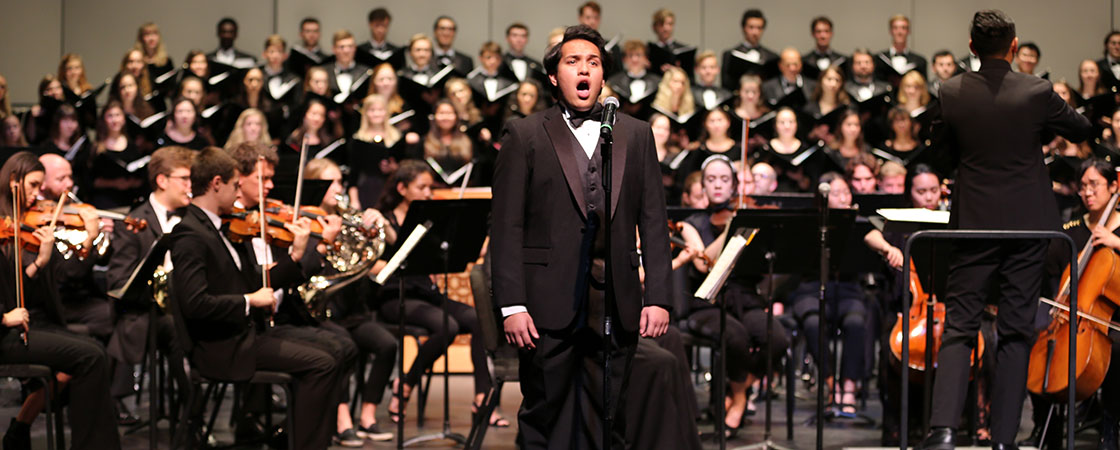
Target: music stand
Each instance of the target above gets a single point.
(454, 241)
(136, 290)
(789, 232)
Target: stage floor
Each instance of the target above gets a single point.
(836, 436)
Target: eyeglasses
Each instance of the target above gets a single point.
(184, 178)
(1091, 187)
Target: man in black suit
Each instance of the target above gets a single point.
(346, 76)
(790, 81)
(218, 302)
(443, 54)
(515, 59)
(548, 250)
(707, 94)
(1109, 66)
(991, 123)
(750, 56)
(226, 53)
(822, 56)
(307, 53)
(667, 51)
(635, 86)
(891, 64)
(169, 173)
(378, 49)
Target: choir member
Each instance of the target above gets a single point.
(51, 97)
(282, 87)
(1089, 81)
(707, 94)
(80, 361)
(944, 67)
(378, 49)
(77, 90)
(375, 150)
(667, 51)
(133, 63)
(749, 104)
(522, 66)
(424, 304)
(674, 100)
(124, 88)
(307, 53)
(116, 176)
(12, 133)
(401, 115)
(5, 100)
(65, 138)
(692, 191)
(668, 153)
(491, 87)
(891, 64)
(903, 145)
(636, 84)
(226, 53)
(765, 178)
(183, 129)
(250, 126)
(313, 130)
(1109, 65)
(1026, 60)
(828, 96)
(208, 92)
(913, 93)
(526, 101)
(444, 30)
(150, 43)
(822, 56)
(447, 149)
(787, 153)
(864, 83)
(750, 57)
(846, 141)
(346, 76)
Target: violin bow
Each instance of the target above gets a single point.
(17, 198)
(299, 179)
(262, 221)
(743, 159)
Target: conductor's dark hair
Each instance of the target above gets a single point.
(577, 33)
(227, 20)
(992, 32)
(1032, 46)
(209, 163)
(379, 14)
(753, 13)
(812, 25)
(1103, 167)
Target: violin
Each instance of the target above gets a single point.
(919, 326)
(1098, 289)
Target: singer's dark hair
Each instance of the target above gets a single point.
(992, 32)
(574, 33)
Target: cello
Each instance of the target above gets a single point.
(918, 328)
(1099, 292)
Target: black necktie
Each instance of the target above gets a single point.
(578, 117)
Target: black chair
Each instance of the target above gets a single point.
(45, 375)
(501, 357)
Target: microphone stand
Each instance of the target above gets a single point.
(822, 340)
(607, 135)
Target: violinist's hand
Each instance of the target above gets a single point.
(1102, 236)
(520, 330)
(91, 221)
(332, 225)
(654, 321)
(894, 257)
(107, 226)
(300, 229)
(46, 243)
(16, 318)
(262, 298)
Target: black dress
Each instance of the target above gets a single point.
(129, 165)
(198, 142)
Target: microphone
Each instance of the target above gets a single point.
(824, 189)
(610, 106)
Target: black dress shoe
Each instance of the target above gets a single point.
(1034, 438)
(939, 438)
(125, 417)
(1005, 447)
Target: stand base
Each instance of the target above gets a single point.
(764, 445)
(443, 435)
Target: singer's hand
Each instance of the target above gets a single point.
(16, 318)
(262, 298)
(654, 322)
(520, 330)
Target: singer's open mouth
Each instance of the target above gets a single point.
(583, 89)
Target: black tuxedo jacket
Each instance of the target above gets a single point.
(533, 68)
(129, 247)
(772, 90)
(731, 70)
(811, 63)
(1107, 77)
(207, 298)
(538, 219)
(991, 125)
(884, 70)
(462, 62)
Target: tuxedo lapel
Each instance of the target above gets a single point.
(618, 168)
(563, 144)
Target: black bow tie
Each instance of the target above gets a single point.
(578, 117)
(175, 212)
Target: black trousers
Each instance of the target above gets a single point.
(318, 373)
(373, 339)
(126, 355)
(461, 319)
(91, 314)
(1015, 269)
(92, 419)
(844, 308)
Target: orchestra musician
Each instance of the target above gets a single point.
(80, 361)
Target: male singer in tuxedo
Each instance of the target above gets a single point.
(218, 301)
(548, 250)
(169, 175)
(991, 123)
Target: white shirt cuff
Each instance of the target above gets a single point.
(247, 305)
(511, 310)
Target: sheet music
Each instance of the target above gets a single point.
(73, 151)
(402, 253)
(721, 270)
(920, 215)
(330, 148)
(138, 164)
